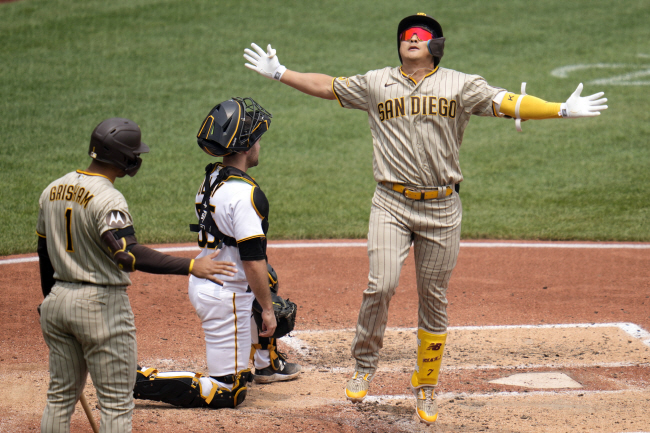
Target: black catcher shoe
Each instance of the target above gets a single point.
(285, 371)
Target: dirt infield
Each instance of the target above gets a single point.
(580, 313)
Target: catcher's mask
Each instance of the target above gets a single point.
(233, 126)
(117, 141)
(435, 46)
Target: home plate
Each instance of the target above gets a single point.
(539, 380)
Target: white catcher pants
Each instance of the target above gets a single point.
(225, 313)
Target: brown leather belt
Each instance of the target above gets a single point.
(417, 195)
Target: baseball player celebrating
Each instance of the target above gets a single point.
(86, 249)
(233, 215)
(418, 113)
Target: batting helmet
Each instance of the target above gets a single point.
(435, 46)
(117, 142)
(233, 126)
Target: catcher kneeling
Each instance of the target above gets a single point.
(189, 389)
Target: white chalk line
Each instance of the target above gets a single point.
(453, 395)
(486, 367)
(618, 80)
(632, 329)
(463, 244)
(564, 71)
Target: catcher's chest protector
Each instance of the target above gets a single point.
(226, 173)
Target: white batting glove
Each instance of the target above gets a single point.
(588, 106)
(263, 63)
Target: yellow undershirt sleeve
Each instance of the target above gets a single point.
(530, 107)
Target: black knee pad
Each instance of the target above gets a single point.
(182, 390)
(230, 398)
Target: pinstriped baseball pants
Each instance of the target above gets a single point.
(89, 328)
(395, 221)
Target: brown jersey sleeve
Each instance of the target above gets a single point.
(45, 266)
(131, 256)
(155, 262)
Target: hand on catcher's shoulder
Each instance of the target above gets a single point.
(206, 267)
(264, 63)
(579, 106)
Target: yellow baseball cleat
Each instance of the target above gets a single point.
(426, 406)
(357, 387)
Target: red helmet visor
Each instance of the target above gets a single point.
(422, 34)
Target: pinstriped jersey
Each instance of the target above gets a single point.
(235, 214)
(417, 128)
(73, 213)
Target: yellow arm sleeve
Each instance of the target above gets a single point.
(530, 107)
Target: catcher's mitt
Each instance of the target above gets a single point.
(285, 315)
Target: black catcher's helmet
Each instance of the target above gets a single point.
(233, 126)
(425, 21)
(117, 142)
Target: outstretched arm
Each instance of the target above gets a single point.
(530, 107)
(268, 65)
(131, 256)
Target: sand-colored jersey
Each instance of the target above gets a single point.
(417, 128)
(74, 211)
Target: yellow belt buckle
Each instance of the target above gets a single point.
(413, 195)
(401, 189)
(417, 195)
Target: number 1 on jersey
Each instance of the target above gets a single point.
(68, 230)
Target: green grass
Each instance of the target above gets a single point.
(67, 65)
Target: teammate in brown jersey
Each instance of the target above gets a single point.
(417, 113)
(86, 249)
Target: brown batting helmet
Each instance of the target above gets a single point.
(117, 141)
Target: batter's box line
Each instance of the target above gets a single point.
(447, 368)
(453, 395)
(632, 329)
